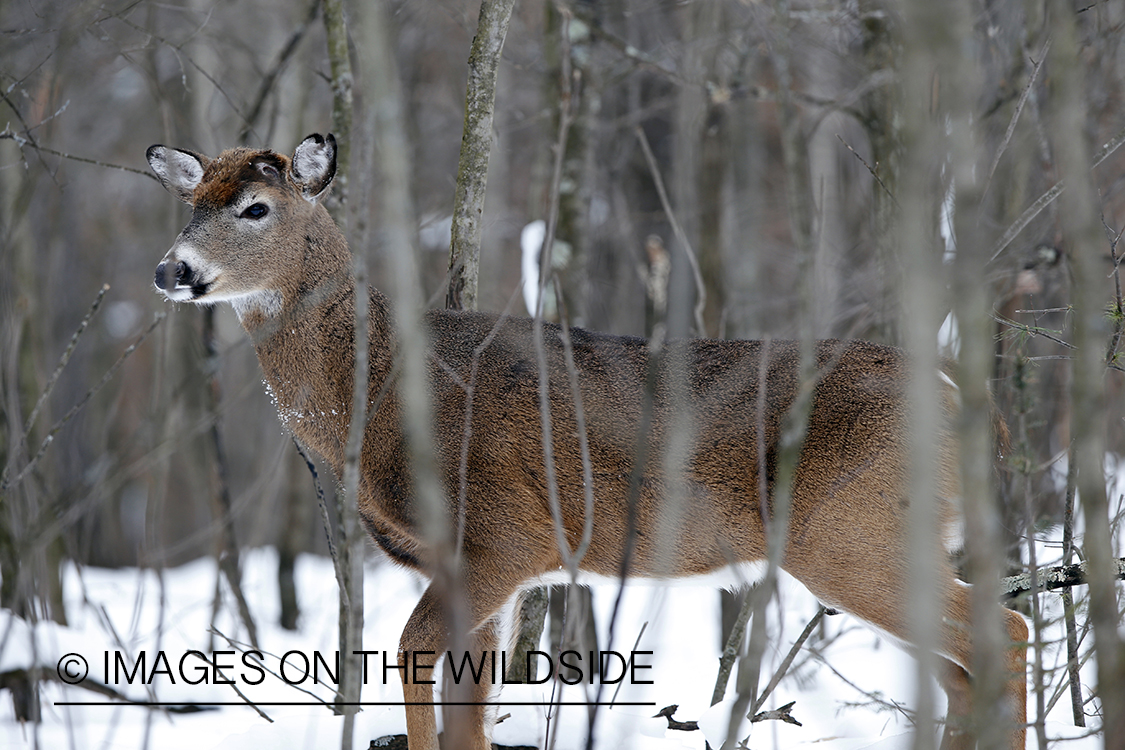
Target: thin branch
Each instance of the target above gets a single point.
(872, 697)
(1048, 197)
(583, 439)
(1073, 673)
(283, 58)
(4, 486)
(241, 647)
(731, 647)
(788, 660)
(467, 424)
(682, 726)
(179, 50)
(1032, 330)
(63, 360)
(24, 141)
(233, 684)
(27, 130)
(869, 169)
(1015, 117)
(714, 91)
(50, 675)
(1117, 309)
(323, 509)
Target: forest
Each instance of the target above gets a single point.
(947, 178)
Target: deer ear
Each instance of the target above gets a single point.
(314, 165)
(179, 171)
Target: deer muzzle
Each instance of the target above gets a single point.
(174, 278)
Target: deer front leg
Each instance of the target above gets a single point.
(421, 652)
(424, 632)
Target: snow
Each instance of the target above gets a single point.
(167, 617)
(131, 612)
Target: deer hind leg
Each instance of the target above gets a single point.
(1017, 681)
(956, 681)
(465, 716)
(870, 583)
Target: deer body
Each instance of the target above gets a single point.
(259, 239)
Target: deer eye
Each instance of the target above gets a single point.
(255, 211)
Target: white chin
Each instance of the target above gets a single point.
(179, 294)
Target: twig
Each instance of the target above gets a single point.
(636, 645)
(242, 648)
(731, 647)
(869, 169)
(713, 90)
(1117, 310)
(1034, 331)
(27, 130)
(78, 406)
(228, 560)
(1073, 672)
(95, 687)
(323, 507)
(233, 685)
(25, 141)
(787, 662)
(777, 714)
(1015, 117)
(283, 58)
(63, 360)
(876, 698)
(1048, 197)
(583, 441)
(565, 119)
(179, 50)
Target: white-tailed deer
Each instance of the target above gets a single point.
(259, 239)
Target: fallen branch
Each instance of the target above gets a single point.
(777, 714)
(683, 726)
(48, 675)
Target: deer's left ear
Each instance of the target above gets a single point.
(314, 165)
(179, 170)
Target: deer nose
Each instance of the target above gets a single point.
(166, 281)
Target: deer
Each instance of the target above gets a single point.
(261, 239)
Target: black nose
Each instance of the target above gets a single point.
(166, 282)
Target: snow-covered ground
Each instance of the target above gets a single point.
(131, 612)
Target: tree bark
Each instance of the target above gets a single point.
(476, 145)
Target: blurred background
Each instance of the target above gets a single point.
(139, 475)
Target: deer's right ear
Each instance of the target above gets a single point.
(179, 171)
(314, 165)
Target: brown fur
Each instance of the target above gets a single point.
(847, 540)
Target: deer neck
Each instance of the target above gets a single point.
(307, 352)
